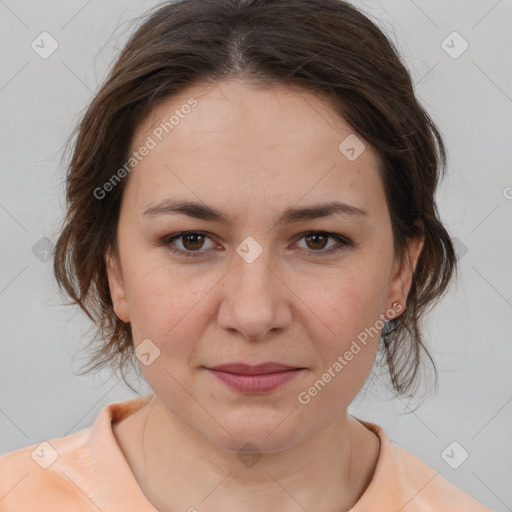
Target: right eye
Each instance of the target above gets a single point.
(194, 240)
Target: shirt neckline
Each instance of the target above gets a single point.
(118, 482)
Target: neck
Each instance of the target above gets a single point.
(179, 469)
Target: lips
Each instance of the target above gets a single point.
(245, 369)
(261, 378)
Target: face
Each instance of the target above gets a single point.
(267, 275)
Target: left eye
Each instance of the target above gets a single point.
(320, 237)
(193, 241)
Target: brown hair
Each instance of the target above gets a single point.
(325, 46)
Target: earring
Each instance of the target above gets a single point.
(395, 304)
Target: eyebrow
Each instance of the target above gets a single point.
(202, 211)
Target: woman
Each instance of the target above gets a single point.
(251, 216)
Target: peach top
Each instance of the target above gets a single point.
(87, 471)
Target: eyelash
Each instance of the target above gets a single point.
(166, 241)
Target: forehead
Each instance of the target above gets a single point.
(231, 112)
(238, 139)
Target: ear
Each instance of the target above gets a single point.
(403, 270)
(116, 285)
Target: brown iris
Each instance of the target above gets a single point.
(195, 244)
(315, 238)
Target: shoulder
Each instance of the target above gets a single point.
(85, 471)
(404, 482)
(50, 473)
(430, 489)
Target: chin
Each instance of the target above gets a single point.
(266, 431)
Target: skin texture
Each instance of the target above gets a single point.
(251, 152)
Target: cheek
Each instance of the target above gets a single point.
(166, 301)
(344, 301)
(346, 342)
(346, 311)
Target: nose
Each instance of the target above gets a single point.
(255, 298)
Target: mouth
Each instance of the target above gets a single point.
(255, 379)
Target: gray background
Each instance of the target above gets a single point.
(470, 97)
